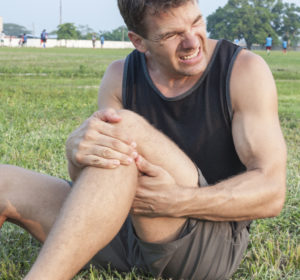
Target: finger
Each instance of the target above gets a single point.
(91, 160)
(107, 153)
(110, 130)
(116, 145)
(146, 167)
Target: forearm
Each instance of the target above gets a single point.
(247, 196)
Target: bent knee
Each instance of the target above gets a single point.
(133, 123)
(130, 116)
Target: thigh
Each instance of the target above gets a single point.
(207, 251)
(30, 199)
(204, 250)
(158, 149)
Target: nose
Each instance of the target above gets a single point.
(189, 41)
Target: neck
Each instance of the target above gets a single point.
(170, 84)
(173, 87)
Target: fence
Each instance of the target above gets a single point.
(16, 42)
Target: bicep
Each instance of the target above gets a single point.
(110, 89)
(256, 130)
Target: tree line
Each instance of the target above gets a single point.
(251, 20)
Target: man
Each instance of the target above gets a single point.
(284, 45)
(269, 42)
(191, 104)
(24, 40)
(44, 37)
(94, 40)
(102, 41)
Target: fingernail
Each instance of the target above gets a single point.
(134, 155)
(133, 145)
(129, 160)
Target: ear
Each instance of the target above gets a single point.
(138, 41)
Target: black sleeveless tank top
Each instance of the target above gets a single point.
(199, 120)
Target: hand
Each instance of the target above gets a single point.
(156, 193)
(99, 143)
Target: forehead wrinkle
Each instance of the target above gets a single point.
(175, 29)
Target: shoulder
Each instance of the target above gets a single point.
(115, 68)
(110, 90)
(251, 81)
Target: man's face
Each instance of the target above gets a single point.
(177, 42)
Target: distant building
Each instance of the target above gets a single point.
(1, 24)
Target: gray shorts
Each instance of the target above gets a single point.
(204, 250)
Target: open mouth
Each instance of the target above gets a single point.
(191, 56)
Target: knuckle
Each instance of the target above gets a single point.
(99, 162)
(93, 123)
(78, 158)
(81, 146)
(89, 135)
(117, 145)
(107, 153)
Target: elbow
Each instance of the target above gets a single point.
(277, 200)
(277, 207)
(275, 187)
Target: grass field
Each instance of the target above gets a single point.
(46, 93)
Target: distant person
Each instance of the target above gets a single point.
(24, 40)
(269, 42)
(237, 41)
(94, 40)
(44, 37)
(102, 40)
(2, 39)
(284, 46)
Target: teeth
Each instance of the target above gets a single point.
(190, 56)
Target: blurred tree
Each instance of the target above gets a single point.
(287, 23)
(253, 20)
(13, 29)
(85, 32)
(118, 34)
(67, 31)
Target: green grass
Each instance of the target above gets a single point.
(46, 93)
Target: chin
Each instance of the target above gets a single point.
(192, 72)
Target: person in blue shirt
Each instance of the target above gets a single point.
(102, 40)
(44, 37)
(269, 41)
(284, 45)
(24, 40)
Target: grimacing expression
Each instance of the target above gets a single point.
(177, 41)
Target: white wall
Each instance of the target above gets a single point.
(1, 24)
(14, 42)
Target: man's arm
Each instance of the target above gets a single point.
(97, 142)
(257, 193)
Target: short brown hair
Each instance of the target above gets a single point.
(134, 12)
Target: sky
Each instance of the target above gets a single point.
(103, 15)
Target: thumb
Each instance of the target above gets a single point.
(146, 167)
(108, 115)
